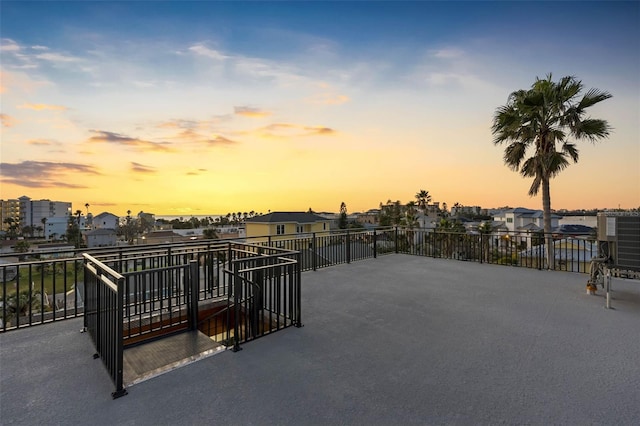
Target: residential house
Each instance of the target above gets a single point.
(162, 237)
(101, 238)
(284, 225)
(105, 220)
(524, 221)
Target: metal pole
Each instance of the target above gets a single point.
(237, 290)
(194, 286)
(608, 284)
(375, 244)
(314, 259)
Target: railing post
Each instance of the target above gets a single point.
(120, 390)
(348, 247)
(314, 260)
(298, 288)
(194, 287)
(396, 238)
(375, 244)
(237, 295)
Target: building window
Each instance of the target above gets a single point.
(299, 229)
(324, 226)
(509, 220)
(279, 229)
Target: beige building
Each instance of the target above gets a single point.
(285, 225)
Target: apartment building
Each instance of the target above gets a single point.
(51, 216)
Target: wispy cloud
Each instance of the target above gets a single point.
(448, 53)
(57, 57)
(140, 168)
(41, 107)
(180, 124)
(9, 45)
(7, 120)
(44, 174)
(289, 130)
(103, 136)
(250, 112)
(328, 99)
(196, 172)
(190, 135)
(43, 142)
(202, 50)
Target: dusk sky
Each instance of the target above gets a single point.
(193, 108)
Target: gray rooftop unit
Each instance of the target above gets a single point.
(619, 239)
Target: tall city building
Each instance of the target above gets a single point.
(51, 216)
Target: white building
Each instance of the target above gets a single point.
(35, 213)
(523, 221)
(105, 220)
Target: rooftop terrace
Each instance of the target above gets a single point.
(396, 340)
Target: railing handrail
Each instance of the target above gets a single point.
(103, 267)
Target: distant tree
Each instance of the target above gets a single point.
(28, 231)
(342, 220)
(22, 246)
(12, 228)
(87, 207)
(21, 304)
(539, 121)
(128, 229)
(73, 235)
(423, 199)
(210, 234)
(44, 226)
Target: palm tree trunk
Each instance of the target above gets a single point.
(546, 216)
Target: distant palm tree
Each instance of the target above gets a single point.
(423, 199)
(44, 226)
(87, 207)
(539, 121)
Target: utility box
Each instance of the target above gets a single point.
(619, 239)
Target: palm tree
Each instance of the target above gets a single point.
(44, 226)
(87, 207)
(535, 125)
(423, 198)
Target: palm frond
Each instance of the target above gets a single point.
(592, 97)
(555, 163)
(592, 129)
(535, 186)
(571, 150)
(514, 154)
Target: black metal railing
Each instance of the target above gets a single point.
(263, 296)
(103, 319)
(36, 291)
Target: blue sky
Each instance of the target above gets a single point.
(207, 107)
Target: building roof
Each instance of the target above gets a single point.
(101, 231)
(105, 214)
(287, 217)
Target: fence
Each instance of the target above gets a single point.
(40, 291)
(103, 319)
(264, 296)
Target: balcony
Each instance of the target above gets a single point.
(396, 340)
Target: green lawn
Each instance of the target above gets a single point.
(61, 274)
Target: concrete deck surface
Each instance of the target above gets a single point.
(388, 341)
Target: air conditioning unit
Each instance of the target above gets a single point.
(619, 239)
